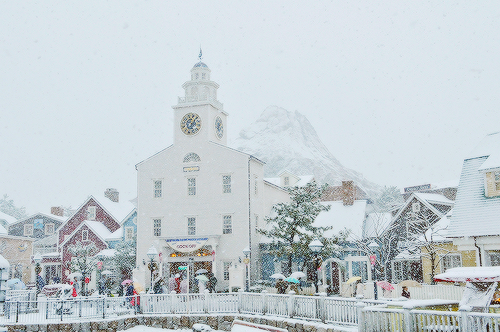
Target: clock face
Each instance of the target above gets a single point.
(219, 127)
(191, 123)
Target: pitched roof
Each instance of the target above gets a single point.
(8, 218)
(474, 213)
(342, 216)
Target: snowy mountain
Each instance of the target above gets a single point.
(287, 140)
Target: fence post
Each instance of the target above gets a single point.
(464, 313)
(206, 302)
(173, 298)
(322, 307)
(240, 300)
(291, 304)
(103, 308)
(265, 299)
(360, 305)
(407, 319)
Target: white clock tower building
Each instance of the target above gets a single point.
(199, 201)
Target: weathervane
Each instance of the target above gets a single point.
(200, 56)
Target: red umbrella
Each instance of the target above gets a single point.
(385, 285)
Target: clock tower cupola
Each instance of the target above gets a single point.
(199, 115)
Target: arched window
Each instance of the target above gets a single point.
(191, 157)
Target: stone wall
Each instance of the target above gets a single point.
(217, 322)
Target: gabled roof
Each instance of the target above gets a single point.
(49, 216)
(428, 200)
(343, 217)
(8, 218)
(101, 231)
(474, 213)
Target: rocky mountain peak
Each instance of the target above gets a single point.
(287, 140)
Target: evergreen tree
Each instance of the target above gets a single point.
(124, 260)
(292, 226)
(84, 259)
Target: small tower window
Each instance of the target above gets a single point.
(191, 157)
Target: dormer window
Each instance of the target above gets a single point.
(492, 184)
(91, 212)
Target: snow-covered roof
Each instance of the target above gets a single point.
(50, 216)
(376, 223)
(303, 180)
(107, 253)
(489, 145)
(119, 210)
(3, 230)
(342, 216)
(474, 274)
(8, 218)
(116, 235)
(474, 214)
(4, 264)
(434, 198)
(99, 229)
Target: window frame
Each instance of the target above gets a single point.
(85, 235)
(225, 270)
(451, 256)
(91, 213)
(127, 230)
(191, 225)
(27, 227)
(191, 186)
(226, 187)
(157, 189)
(227, 228)
(46, 226)
(157, 227)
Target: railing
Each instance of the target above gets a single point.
(375, 319)
(318, 308)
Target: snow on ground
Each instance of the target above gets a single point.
(142, 328)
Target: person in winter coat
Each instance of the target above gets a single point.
(405, 292)
(281, 286)
(212, 281)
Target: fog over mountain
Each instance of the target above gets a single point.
(287, 140)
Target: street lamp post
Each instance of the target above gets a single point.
(152, 253)
(100, 265)
(246, 252)
(373, 260)
(316, 247)
(38, 259)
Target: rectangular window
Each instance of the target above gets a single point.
(494, 258)
(226, 184)
(226, 267)
(85, 235)
(191, 186)
(497, 180)
(157, 190)
(129, 233)
(91, 212)
(255, 186)
(450, 261)
(287, 181)
(157, 227)
(49, 229)
(191, 225)
(228, 225)
(28, 230)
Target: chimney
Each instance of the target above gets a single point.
(348, 192)
(57, 211)
(112, 194)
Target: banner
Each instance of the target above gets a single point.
(186, 245)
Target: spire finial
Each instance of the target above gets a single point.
(200, 56)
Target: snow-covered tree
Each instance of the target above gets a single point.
(388, 199)
(124, 259)
(291, 228)
(7, 206)
(83, 258)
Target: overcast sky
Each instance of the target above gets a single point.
(397, 90)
